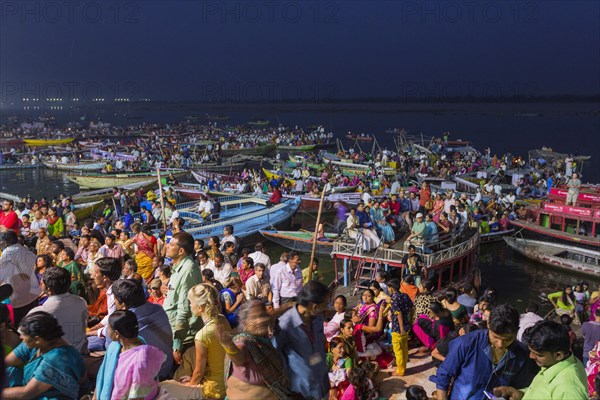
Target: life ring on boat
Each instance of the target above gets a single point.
(327, 205)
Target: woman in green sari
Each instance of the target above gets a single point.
(66, 261)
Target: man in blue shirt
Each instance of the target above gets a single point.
(485, 359)
(299, 337)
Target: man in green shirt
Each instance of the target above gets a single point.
(562, 376)
(185, 274)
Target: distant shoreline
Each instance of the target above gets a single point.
(527, 108)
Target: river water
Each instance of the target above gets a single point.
(572, 128)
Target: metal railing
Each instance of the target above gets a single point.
(470, 240)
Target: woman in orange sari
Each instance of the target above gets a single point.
(145, 250)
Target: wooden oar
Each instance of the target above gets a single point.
(314, 244)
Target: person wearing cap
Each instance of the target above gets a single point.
(417, 231)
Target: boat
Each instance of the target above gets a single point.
(449, 261)
(250, 223)
(97, 154)
(202, 176)
(11, 142)
(329, 156)
(588, 195)
(232, 206)
(85, 210)
(47, 142)
(100, 181)
(18, 166)
(219, 117)
(310, 203)
(106, 193)
(78, 166)
(9, 196)
(300, 241)
(362, 137)
(305, 147)
(259, 122)
(257, 151)
(220, 166)
(569, 258)
(493, 237)
(567, 224)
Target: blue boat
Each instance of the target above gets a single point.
(247, 224)
(231, 207)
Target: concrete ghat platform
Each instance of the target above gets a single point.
(418, 370)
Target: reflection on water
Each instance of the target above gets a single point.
(36, 182)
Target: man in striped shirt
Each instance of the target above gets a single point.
(288, 282)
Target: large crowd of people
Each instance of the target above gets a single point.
(116, 312)
(114, 307)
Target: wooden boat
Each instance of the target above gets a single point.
(106, 193)
(220, 167)
(588, 195)
(79, 166)
(85, 210)
(556, 255)
(11, 142)
(306, 147)
(99, 181)
(362, 138)
(202, 176)
(310, 203)
(19, 166)
(248, 224)
(493, 237)
(300, 241)
(257, 151)
(47, 142)
(259, 122)
(329, 156)
(451, 263)
(219, 117)
(564, 223)
(97, 154)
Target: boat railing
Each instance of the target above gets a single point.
(454, 251)
(470, 240)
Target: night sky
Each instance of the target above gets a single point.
(246, 50)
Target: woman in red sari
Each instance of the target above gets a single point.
(145, 250)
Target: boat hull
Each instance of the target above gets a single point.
(537, 231)
(248, 224)
(546, 253)
(82, 166)
(47, 142)
(257, 151)
(107, 181)
(307, 147)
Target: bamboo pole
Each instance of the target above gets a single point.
(314, 244)
(162, 199)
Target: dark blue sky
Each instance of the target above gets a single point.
(245, 50)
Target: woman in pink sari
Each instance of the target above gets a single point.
(146, 250)
(438, 207)
(130, 368)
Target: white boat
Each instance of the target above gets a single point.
(558, 255)
(90, 165)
